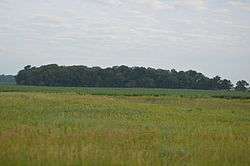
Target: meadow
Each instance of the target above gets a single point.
(114, 126)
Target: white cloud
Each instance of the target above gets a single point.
(154, 32)
(192, 4)
(51, 19)
(158, 4)
(243, 5)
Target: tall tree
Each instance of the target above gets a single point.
(241, 85)
(225, 84)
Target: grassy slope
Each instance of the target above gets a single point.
(69, 128)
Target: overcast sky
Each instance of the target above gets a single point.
(212, 36)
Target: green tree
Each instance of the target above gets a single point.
(225, 84)
(241, 85)
(118, 76)
(27, 67)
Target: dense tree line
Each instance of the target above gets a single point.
(118, 76)
(7, 79)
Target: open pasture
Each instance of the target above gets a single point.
(102, 126)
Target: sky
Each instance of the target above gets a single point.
(209, 36)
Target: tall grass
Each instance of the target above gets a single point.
(79, 128)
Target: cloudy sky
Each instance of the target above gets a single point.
(211, 36)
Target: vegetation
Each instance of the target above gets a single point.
(241, 85)
(118, 76)
(83, 126)
(129, 91)
(7, 79)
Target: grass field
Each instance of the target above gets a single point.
(101, 126)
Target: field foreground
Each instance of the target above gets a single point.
(65, 127)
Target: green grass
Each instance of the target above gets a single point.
(101, 126)
(129, 91)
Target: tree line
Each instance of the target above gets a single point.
(118, 76)
(7, 79)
